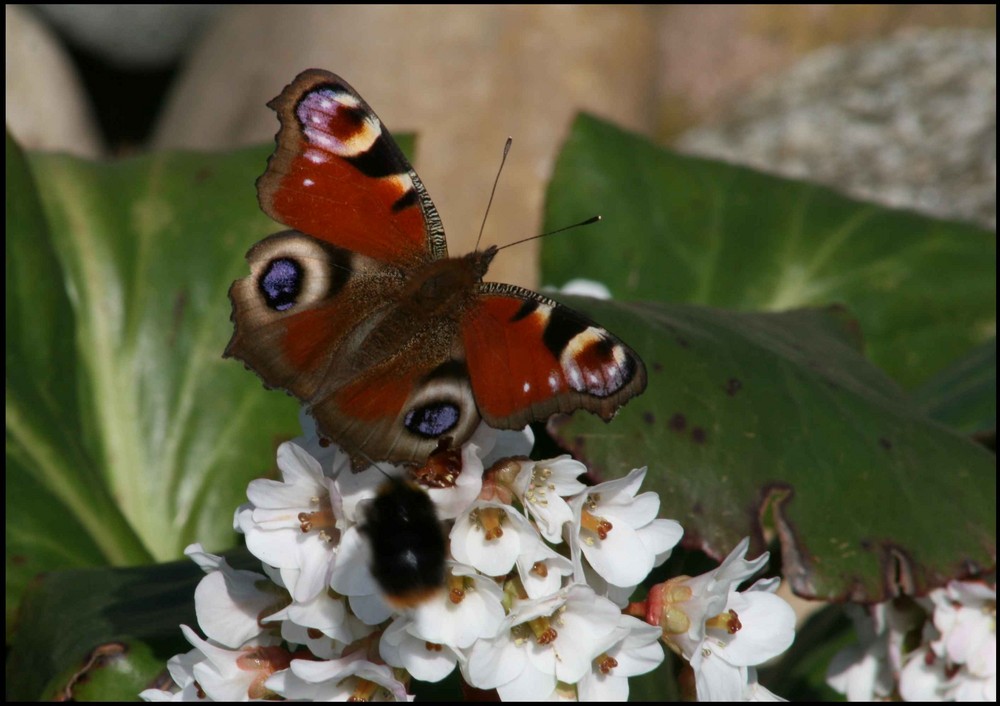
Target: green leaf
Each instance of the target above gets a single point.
(148, 248)
(964, 395)
(114, 671)
(683, 229)
(749, 414)
(100, 634)
(58, 511)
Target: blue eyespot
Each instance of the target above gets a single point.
(432, 420)
(281, 283)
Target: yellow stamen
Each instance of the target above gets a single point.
(490, 519)
(456, 588)
(597, 525)
(730, 622)
(322, 521)
(543, 630)
(606, 663)
(364, 691)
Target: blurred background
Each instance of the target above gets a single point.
(889, 103)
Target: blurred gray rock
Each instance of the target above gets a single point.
(133, 36)
(909, 122)
(46, 106)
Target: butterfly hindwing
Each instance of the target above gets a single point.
(338, 175)
(530, 357)
(401, 408)
(300, 315)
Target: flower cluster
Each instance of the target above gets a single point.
(539, 569)
(939, 648)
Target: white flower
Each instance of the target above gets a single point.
(356, 489)
(586, 288)
(755, 626)
(295, 524)
(470, 609)
(958, 660)
(507, 443)
(315, 626)
(862, 671)
(920, 680)
(722, 632)
(353, 578)
(635, 650)
(490, 536)
(683, 605)
(619, 533)
(755, 692)
(424, 660)
(235, 675)
(965, 613)
(542, 570)
(542, 487)
(942, 647)
(349, 678)
(321, 623)
(230, 603)
(542, 642)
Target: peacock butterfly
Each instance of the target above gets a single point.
(359, 312)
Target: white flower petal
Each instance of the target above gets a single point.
(621, 558)
(715, 678)
(768, 628)
(494, 662)
(532, 684)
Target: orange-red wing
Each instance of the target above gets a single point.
(338, 175)
(530, 357)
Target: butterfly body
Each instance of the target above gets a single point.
(359, 311)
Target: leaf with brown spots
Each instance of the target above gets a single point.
(868, 497)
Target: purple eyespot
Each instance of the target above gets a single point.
(432, 420)
(281, 283)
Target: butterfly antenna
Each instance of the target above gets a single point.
(587, 222)
(503, 160)
(374, 464)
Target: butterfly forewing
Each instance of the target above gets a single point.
(338, 175)
(530, 357)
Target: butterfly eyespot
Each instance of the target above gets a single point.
(432, 420)
(281, 283)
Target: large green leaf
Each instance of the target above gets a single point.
(751, 414)
(964, 395)
(684, 229)
(128, 435)
(58, 510)
(775, 421)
